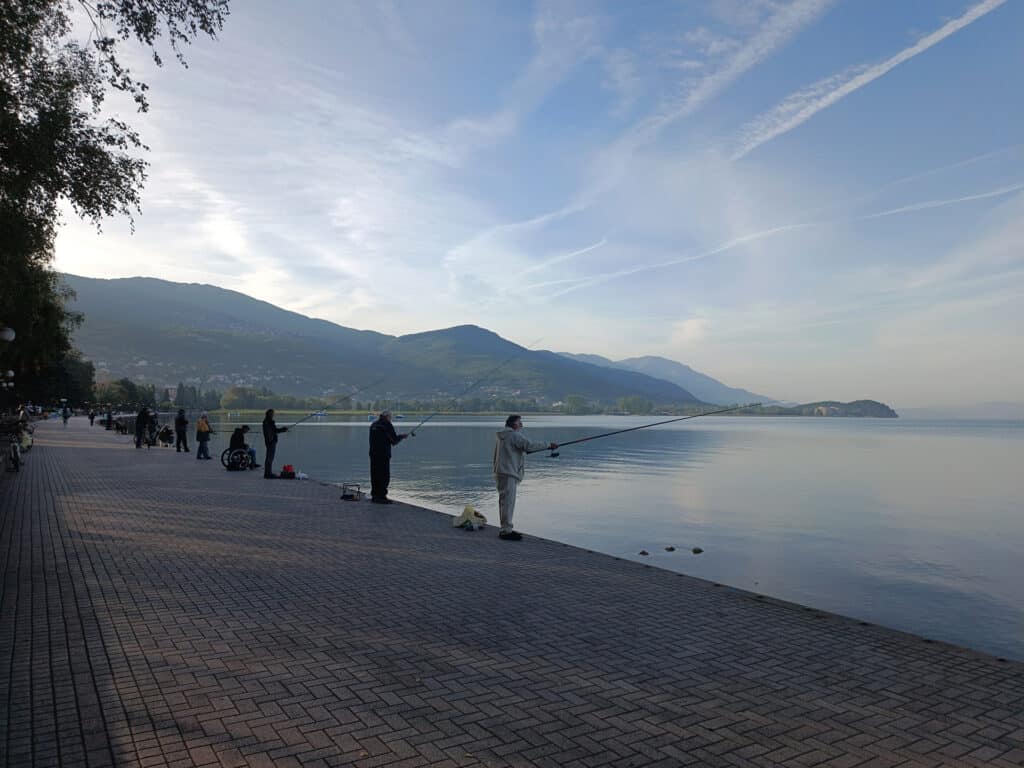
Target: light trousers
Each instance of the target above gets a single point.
(507, 486)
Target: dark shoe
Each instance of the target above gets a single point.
(382, 501)
(255, 466)
(510, 535)
(271, 476)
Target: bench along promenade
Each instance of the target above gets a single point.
(159, 611)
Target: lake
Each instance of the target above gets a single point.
(915, 525)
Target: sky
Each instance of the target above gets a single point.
(809, 199)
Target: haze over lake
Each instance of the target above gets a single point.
(914, 525)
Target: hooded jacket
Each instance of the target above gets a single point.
(382, 437)
(510, 452)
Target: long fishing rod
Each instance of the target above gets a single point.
(476, 383)
(553, 454)
(331, 405)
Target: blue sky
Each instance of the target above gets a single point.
(806, 198)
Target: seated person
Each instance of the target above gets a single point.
(25, 436)
(238, 443)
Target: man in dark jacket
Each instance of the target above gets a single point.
(382, 437)
(141, 424)
(237, 443)
(270, 433)
(180, 431)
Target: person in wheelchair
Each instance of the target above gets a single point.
(238, 443)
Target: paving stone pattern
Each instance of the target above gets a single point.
(157, 610)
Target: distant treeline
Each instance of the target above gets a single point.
(125, 393)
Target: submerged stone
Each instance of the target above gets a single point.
(696, 550)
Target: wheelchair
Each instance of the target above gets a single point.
(235, 459)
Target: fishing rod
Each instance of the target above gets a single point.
(476, 383)
(331, 405)
(554, 453)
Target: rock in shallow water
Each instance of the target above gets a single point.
(696, 550)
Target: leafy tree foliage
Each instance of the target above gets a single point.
(56, 145)
(69, 377)
(124, 394)
(576, 404)
(635, 404)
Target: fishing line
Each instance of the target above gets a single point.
(554, 453)
(343, 397)
(478, 382)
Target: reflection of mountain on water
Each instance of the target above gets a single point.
(448, 464)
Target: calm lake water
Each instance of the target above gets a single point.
(916, 525)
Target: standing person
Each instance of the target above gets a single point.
(92, 416)
(203, 432)
(65, 413)
(270, 433)
(141, 424)
(510, 451)
(153, 426)
(181, 431)
(382, 437)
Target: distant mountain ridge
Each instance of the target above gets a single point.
(700, 384)
(160, 332)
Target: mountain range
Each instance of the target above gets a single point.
(702, 386)
(160, 332)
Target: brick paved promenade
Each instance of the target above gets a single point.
(161, 611)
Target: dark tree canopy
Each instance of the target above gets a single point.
(56, 145)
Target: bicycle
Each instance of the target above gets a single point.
(13, 458)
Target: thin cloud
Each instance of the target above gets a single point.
(850, 202)
(729, 245)
(927, 204)
(803, 105)
(564, 257)
(777, 32)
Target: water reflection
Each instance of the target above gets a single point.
(907, 524)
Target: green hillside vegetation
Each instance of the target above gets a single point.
(861, 408)
(156, 332)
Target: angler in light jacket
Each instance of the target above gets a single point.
(510, 451)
